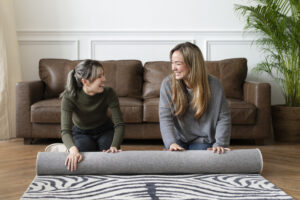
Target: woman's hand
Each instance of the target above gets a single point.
(219, 149)
(112, 150)
(175, 147)
(73, 158)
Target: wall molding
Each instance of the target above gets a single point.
(52, 42)
(94, 43)
(210, 43)
(89, 39)
(24, 32)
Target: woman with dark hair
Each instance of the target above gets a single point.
(85, 125)
(193, 112)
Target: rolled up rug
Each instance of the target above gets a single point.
(243, 161)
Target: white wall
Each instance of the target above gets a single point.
(131, 29)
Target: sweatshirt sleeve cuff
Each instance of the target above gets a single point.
(68, 141)
(168, 144)
(220, 145)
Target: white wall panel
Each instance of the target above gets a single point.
(32, 51)
(223, 49)
(144, 50)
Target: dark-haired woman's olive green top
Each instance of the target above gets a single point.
(89, 112)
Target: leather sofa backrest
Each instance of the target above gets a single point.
(231, 73)
(53, 72)
(125, 76)
(154, 73)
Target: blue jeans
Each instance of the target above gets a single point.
(97, 139)
(194, 146)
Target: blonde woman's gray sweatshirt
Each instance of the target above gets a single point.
(214, 126)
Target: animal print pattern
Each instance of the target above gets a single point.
(154, 187)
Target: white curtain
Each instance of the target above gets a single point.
(10, 70)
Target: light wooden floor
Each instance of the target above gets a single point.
(17, 165)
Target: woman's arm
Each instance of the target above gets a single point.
(223, 128)
(166, 121)
(117, 119)
(66, 123)
(74, 156)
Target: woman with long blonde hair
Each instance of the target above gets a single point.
(193, 111)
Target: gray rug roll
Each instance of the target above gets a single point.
(243, 161)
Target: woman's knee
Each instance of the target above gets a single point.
(84, 143)
(105, 140)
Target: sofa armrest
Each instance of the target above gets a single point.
(259, 94)
(27, 93)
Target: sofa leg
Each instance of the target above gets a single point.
(259, 142)
(28, 140)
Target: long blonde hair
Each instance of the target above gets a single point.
(197, 79)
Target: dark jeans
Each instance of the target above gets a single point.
(194, 146)
(97, 139)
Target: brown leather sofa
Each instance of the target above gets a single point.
(38, 105)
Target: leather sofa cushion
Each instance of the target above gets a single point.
(125, 76)
(132, 109)
(48, 111)
(242, 113)
(231, 73)
(154, 73)
(151, 110)
(53, 72)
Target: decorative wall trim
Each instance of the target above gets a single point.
(210, 43)
(25, 32)
(88, 39)
(52, 42)
(94, 43)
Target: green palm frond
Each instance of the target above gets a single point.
(278, 24)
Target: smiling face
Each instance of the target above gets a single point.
(96, 86)
(180, 69)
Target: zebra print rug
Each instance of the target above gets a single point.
(154, 187)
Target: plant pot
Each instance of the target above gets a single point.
(286, 123)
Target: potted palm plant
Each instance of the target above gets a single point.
(277, 23)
